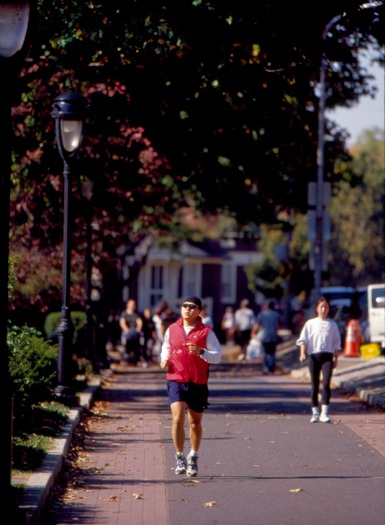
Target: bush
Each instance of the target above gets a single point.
(78, 320)
(33, 370)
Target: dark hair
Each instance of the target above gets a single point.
(195, 300)
(322, 299)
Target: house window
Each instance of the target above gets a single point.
(156, 284)
(192, 279)
(228, 283)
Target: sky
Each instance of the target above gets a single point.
(368, 113)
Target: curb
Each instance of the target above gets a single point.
(40, 482)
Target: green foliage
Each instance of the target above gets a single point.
(78, 320)
(29, 449)
(357, 247)
(197, 102)
(32, 367)
(264, 278)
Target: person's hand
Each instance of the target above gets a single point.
(194, 349)
(302, 358)
(164, 363)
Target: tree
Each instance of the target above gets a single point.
(198, 103)
(357, 247)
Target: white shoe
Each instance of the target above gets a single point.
(324, 417)
(315, 416)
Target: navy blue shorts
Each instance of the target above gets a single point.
(195, 396)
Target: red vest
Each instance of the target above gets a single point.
(184, 367)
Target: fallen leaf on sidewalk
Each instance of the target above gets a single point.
(209, 504)
(137, 495)
(295, 490)
(113, 499)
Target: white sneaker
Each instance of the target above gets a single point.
(181, 464)
(192, 466)
(315, 416)
(324, 418)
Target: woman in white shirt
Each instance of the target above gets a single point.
(320, 340)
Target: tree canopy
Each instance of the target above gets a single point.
(207, 104)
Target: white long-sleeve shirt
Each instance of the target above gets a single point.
(320, 335)
(212, 353)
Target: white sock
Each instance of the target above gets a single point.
(194, 453)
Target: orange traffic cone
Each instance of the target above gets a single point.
(353, 339)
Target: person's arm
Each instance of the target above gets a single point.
(336, 345)
(302, 353)
(335, 361)
(213, 351)
(139, 324)
(302, 342)
(123, 324)
(165, 351)
(255, 329)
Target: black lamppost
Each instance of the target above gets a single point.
(69, 110)
(14, 18)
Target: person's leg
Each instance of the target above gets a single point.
(195, 424)
(265, 359)
(315, 371)
(327, 371)
(272, 362)
(270, 356)
(178, 409)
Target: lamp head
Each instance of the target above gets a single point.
(69, 110)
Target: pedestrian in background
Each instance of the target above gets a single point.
(244, 321)
(267, 324)
(228, 325)
(320, 340)
(206, 317)
(131, 325)
(149, 336)
(188, 349)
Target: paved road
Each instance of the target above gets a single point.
(261, 461)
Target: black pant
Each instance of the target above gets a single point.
(322, 362)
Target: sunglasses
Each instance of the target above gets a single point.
(190, 306)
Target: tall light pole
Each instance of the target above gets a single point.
(69, 110)
(14, 18)
(319, 248)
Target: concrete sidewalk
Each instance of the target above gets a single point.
(362, 377)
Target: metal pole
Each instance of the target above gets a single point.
(65, 328)
(319, 239)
